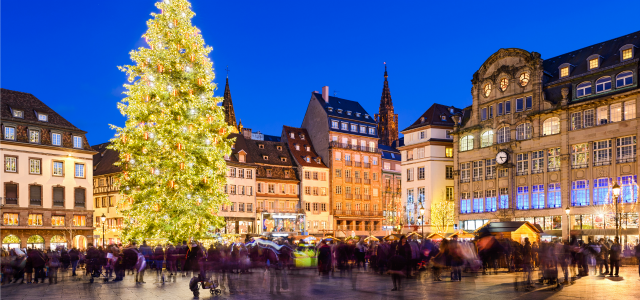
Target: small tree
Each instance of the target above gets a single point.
(442, 213)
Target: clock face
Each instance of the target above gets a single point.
(502, 157)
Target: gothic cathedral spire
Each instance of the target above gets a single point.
(386, 118)
(229, 113)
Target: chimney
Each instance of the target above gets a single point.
(246, 132)
(325, 93)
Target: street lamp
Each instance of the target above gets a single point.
(103, 218)
(422, 214)
(616, 194)
(568, 211)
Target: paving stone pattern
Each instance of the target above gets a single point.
(306, 284)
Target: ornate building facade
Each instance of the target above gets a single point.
(106, 193)
(544, 137)
(46, 177)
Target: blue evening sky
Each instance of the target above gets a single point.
(66, 53)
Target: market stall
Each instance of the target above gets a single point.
(514, 230)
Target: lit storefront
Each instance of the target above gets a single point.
(281, 224)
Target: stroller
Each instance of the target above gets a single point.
(94, 268)
(205, 283)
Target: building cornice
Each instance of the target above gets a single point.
(425, 127)
(56, 148)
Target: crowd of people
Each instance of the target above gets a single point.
(557, 262)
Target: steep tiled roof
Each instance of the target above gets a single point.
(302, 139)
(270, 149)
(30, 105)
(608, 50)
(240, 145)
(103, 161)
(345, 105)
(433, 116)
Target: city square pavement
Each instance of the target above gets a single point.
(306, 284)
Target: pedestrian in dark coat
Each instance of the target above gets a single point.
(158, 258)
(397, 268)
(614, 254)
(324, 258)
(38, 261)
(74, 257)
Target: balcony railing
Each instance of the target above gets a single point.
(358, 164)
(490, 177)
(358, 180)
(465, 180)
(367, 165)
(522, 173)
(625, 160)
(602, 162)
(348, 179)
(479, 178)
(367, 181)
(347, 163)
(358, 197)
(579, 166)
(348, 196)
(537, 171)
(58, 203)
(367, 197)
(10, 200)
(335, 144)
(37, 202)
(279, 210)
(366, 213)
(554, 169)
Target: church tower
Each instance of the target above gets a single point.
(229, 113)
(386, 118)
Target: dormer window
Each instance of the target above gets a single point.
(366, 116)
(297, 147)
(283, 159)
(307, 148)
(307, 159)
(443, 118)
(318, 160)
(241, 157)
(330, 109)
(34, 136)
(279, 148)
(594, 61)
(261, 146)
(18, 113)
(626, 52)
(292, 135)
(42, 117)
(77, 142)
(348, 112)
(302, 136)
(358, 115)
(265, 157)
(450, 110)
(565, 69)
(421, 119)
(339, 110)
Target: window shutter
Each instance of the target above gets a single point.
(11, 193)
(79, 197)
(58, 196)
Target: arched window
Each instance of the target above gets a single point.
(551, 126)
(486, 139)
(623, 79)
(523, 131)
(584, 89)
(504, 135)
(603, 84)
(466, 143)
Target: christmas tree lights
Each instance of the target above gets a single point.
(174, 141)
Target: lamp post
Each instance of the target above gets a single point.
(568, 211)
(103, 218)
(616, 194)
(422, 214)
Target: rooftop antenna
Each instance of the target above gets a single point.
(335, 93)
(227, 71)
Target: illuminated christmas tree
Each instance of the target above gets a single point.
(173, 144)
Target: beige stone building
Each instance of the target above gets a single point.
(427, 164)
(240, 216)
(546, 136)
(46, 177)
